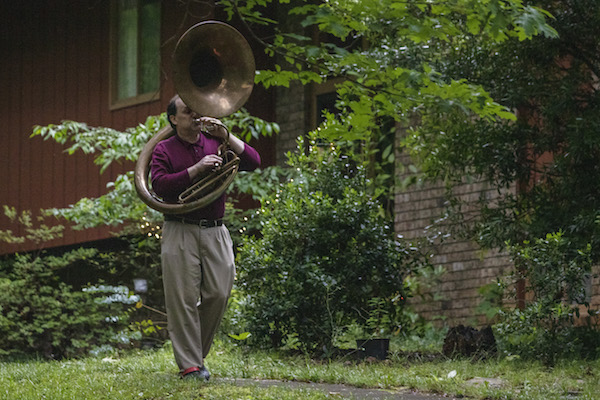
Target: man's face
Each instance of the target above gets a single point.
(185, 119)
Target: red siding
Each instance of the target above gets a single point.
(55, 67)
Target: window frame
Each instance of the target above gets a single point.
(114, 102)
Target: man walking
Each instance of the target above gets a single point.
(196, 249)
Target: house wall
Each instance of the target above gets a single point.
(454, 299)
(55, 66)
(290, 113)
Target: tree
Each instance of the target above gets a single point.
(544, 165)
(121, 206)
(391, 55)
(489, 91)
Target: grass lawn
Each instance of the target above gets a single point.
(152, 375)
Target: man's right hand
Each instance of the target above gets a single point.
(210, 162)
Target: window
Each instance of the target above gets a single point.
(135, 52)
(323, 97)
(325, 101)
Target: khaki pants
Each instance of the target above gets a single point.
(198, 272)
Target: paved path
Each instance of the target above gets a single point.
(344, 391)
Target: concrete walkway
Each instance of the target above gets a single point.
(344, 391)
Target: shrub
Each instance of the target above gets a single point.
(326, 250)
(549, 327)
(41, 315)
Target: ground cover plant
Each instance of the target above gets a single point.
(152, 375)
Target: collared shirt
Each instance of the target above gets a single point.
(171, 159)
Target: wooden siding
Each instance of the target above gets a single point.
(55, 67)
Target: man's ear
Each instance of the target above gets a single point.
(172, 119)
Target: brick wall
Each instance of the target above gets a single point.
(455, 297)
(291, 116)
(291, 111)
(467, 267)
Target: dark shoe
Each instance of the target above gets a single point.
(196, 373)
(204, 373)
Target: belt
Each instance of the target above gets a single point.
(202, 223)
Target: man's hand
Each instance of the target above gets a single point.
(210, 162)
(220, 131)
(214, 127)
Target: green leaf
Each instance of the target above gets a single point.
(241, 336)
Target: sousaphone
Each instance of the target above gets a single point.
(213, 73)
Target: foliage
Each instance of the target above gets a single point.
(393, 55)
(546, 328)
(41, 312)
(325, 251)
(108, 145)
(36, 233)
(554, 268)
(121, 205)
(389, 54)
(545, 332)
(378, 321)
(249, 127)
(242, 215)
(41, 315)
(137, 257)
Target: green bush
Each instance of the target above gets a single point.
(41, 315)
(137, 257)
(546, 332)
(326, 250)
(549, 327)
(53, 304)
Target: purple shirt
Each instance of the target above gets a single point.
(171, 159)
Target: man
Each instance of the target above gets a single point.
(196, 250)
